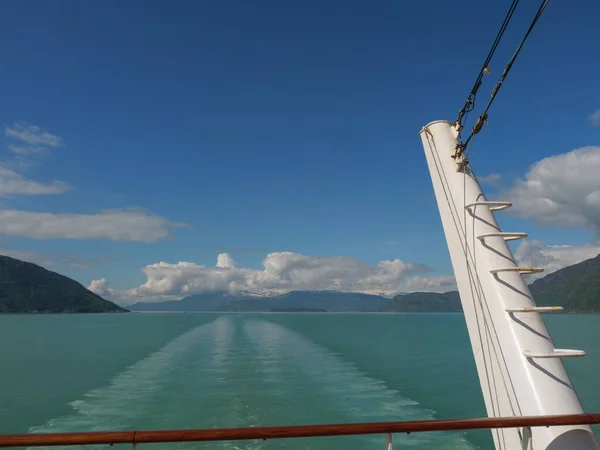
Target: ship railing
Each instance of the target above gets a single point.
(135, 438)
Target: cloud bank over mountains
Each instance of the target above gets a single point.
(288, 271)
(281, 272)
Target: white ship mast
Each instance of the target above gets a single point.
(520, 370)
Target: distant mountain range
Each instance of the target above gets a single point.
(310, 301)
(295, 300)
(576, 288)
(26, 288)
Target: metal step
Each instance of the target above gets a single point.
(507, 235)
(494, 206)
(521, 270)
(557, 353)
(538, 309)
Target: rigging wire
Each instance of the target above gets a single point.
(483, 117)
(470, 103)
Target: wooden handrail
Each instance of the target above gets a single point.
(297, 431)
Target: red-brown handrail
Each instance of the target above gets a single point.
(298, 431)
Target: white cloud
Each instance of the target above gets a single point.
(595, 118)
(13, 183)
(562, 190)
(33, 135)
(281, 272)
(23, 150)
(116, 225)
(33, 144)
(287, 271)
(99, 287)
(225, 261)
(494, 180)
(442, 283)
(534, 253)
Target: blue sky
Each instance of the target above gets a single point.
(274, 126)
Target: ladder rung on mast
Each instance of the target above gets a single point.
(521, 270)
(494, 206)
(557, 353)
(538, 309)
(507, 235)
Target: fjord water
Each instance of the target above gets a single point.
(166, 371)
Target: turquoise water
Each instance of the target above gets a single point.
(161, 371)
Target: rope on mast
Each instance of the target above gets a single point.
(482, 119)
(470, 103)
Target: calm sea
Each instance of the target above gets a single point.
(161, 371)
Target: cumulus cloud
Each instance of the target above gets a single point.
(13, 183)
(235, 250)
(562, 190)
(225, 261)
(116, 225)
(595, 118)
(281, 272)
(33, 135)
(534, 253)
(99, 287)
(287, 271)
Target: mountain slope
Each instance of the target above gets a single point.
(424, 302)
(576, 288)
(26, 287)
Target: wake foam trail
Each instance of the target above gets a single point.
(131, 394)
(317, 385)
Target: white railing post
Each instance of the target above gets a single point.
(526, 438)
(388, 445)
